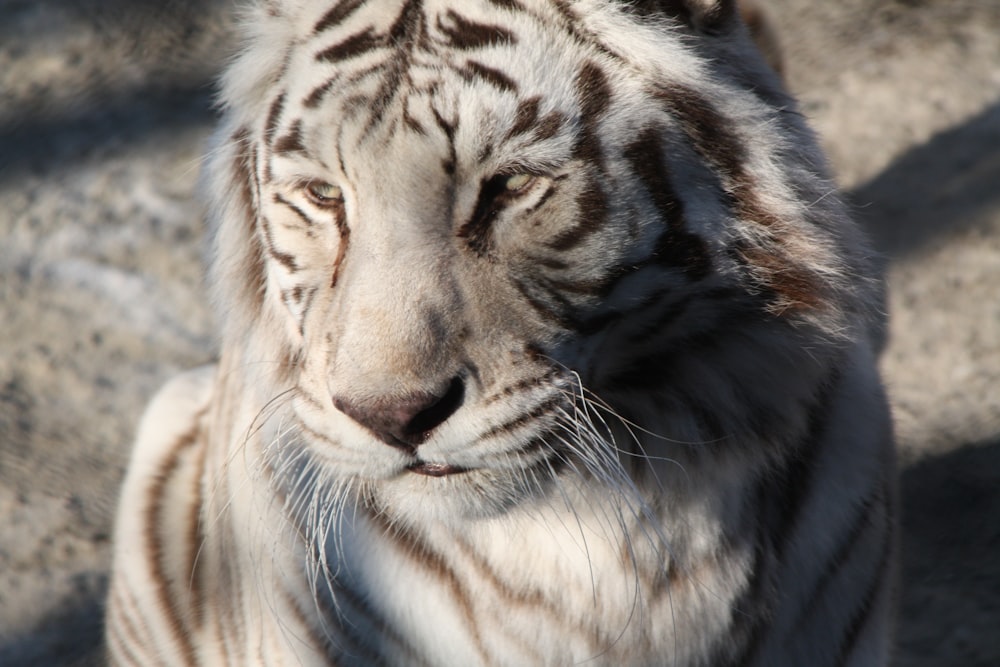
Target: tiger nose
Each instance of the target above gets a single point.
(405, 422)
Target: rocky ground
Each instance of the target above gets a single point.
(104, 109)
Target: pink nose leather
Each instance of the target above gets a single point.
(404, 421)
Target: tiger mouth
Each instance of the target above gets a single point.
(435, 469)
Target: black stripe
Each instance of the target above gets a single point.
(780, 501)
(710, 132)
(409, 23)
(513, 5)
(291, 142)
(593, 92)
(677, 246)
(421, 554)
(302, 297)
(307, 306)
(336, 15)
(871, 598)
(314, 402)
(594, 96)
(645, 306)
(273, 116)
(283, 258)
(124, 613)
(321, 641)
(848, 543)
(280, 199)
(549, 262)
(592, 215)
(404, 34)
(546, 310)
(652, 323)
(385, 630)
(359, 645)
(527, 121)
(122, 654)
(448, 128)
(293, 295)
(291, 361)
(752, 610)
(540, 410)
(355, 45)
(466, 34)
(196, 539)
(243, 176)
(585, 287)
(474, 70)
(174, 616)
(658, 368)
(662, 309)
(414, 124)
(345, 240)
(526, 117)
(549, 125)
(313, 99)
(531, 598)
(244, 181)
(792, 482)
(793, 286)
(532, 382)
(476, 230)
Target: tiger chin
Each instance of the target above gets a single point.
(545, 340)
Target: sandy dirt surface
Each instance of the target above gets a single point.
(104, 111)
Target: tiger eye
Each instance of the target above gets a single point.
(518, 182)
(324, 195)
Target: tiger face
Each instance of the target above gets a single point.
(471, 266)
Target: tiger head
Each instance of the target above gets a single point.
(481, 240)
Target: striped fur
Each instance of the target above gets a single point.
(545, 340)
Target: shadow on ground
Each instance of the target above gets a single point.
(69, 638)
(949, 556)
(937, 187)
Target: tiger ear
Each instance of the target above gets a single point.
(711, 17)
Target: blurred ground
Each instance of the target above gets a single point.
(104, 108)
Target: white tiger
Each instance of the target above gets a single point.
(545, 340)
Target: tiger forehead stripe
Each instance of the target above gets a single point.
(526, 120)
(291, 141)
(355, 45)
(594, 96)
(467, 34)
(475, 70)
(593, 91)
(337, 15)
(316, 96)
(508, 4)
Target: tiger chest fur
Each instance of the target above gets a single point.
(545, 340)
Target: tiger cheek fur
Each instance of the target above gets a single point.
(545, 339)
